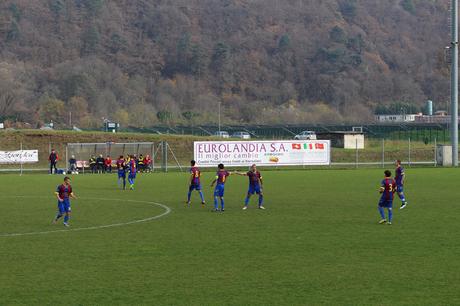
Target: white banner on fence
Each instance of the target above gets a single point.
(17, 157)
(263, 153)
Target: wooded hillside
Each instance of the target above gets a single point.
(146, 62)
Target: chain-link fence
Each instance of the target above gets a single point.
(177, 154)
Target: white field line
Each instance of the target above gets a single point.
(166, 212)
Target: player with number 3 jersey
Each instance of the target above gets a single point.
(195, 183)
(387, 190)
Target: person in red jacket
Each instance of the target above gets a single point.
(53, 159)
(148, 163)
(108, 164)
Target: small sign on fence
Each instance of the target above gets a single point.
(19, 157)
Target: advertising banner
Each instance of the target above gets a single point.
(263, 153)
(18, 157)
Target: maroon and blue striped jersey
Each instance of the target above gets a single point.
(64, 191)
(254, 178)
(132, 166)
(221, 176)
(399, 175)
(121, 164)
(388, 187)
(195, 175)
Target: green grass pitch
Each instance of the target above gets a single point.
(317, 243)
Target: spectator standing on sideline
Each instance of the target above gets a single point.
(100, 162)
(53, 159)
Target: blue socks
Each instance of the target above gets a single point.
(66, 219)
(216, 204)
(124, 182)
(248, 197)
(402, 197)
(246, 201)
(382, 212)
(190, 194)
(261, 200)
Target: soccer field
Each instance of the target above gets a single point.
(318, 242)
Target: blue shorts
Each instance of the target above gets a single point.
(132, 175)
(194, 187)
(219, 190)
(254, 189)
(64, 206)
(399, 188)
(121, 174)
(386, 203)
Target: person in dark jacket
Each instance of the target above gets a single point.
(53, 159)
(92, 164)
(100, 162)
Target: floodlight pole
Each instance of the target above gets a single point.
(454, 85)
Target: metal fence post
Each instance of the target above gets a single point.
(66, 157)
(357, 154)
(152, 157)
(164, 151)
(21, 160)
(383, 153)
(435, 151)
(409, 153)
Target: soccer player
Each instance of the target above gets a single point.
(64, 193)
(195, 183)
(121, 167)
(387, 189)
(255, 186)
(221, 178)
(399, 178)
(132, 172)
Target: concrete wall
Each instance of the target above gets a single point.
(444, 155)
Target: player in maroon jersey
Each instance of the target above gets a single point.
(221, 178)
(387, 189)
(195, 183)
(255, 186)
(64, 193)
